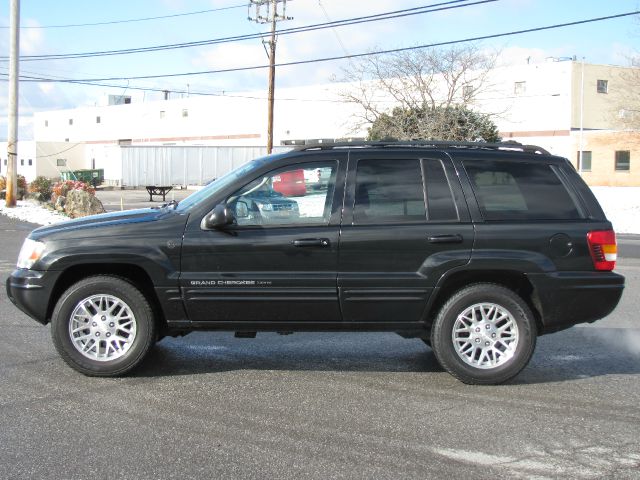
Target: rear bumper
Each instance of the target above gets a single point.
(30, 292)
(565, 299)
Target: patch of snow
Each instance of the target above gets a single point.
(622, 207)
(32, 212)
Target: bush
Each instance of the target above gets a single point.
(60, 189)
(22, 183)
(42, 186)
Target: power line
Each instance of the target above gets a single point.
(222, 94)
(145, 19)
(60, 152)
(357, 55)
(452, 4)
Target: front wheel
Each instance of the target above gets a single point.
(484, 334)
(102, 326)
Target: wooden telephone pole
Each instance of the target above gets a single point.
(12, 138)
(267, 11)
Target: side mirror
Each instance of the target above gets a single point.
(218, 218)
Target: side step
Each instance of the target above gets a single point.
(245, 335)
(253, 334)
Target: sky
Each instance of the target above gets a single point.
(43, 32)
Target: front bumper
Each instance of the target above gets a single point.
(30, 291)
(565, 299)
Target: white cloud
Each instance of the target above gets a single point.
(233, 55)
(31, 39)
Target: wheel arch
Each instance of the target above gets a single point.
(132, 273)
(511, 279)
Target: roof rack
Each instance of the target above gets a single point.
(328, 145)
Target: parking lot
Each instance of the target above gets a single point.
(116, 199)
(319, 405)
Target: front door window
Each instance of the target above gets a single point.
(297, 195)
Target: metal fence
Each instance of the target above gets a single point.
(169, 165)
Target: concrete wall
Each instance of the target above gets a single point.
(603, 146)
(600, 110)
(53, 158)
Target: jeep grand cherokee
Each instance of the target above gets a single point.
(475, 248)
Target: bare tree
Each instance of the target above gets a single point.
(418, 93)
(628, 109)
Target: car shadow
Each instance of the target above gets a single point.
(572, 354)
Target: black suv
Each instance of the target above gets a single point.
(474, 248)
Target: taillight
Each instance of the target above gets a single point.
(603, 248)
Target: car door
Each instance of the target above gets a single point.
(397, 237)
(278, 263)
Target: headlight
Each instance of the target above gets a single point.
(267, 207)
(30, 252)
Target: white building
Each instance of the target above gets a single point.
(563, 106)
(48, 159)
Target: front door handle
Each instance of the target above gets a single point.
(311, 242)
(457, 238)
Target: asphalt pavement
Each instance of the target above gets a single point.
(321, 405)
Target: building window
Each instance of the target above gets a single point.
(124, 141)
(5, 161)
(46, 123)
(61, 162)
(30, 162)
(71, 121)
(623, 160)
(520, 88)
(467, 91)
(185, 112)
(22, 162)
(603, 86)
(98, 119)
(66, 139)
(162, 113)
(585, 165)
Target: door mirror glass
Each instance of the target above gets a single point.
(242, 210)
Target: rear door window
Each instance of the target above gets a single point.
(389, 191)
(508, 190)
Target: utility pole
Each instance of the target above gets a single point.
(12, 139)
(270, 16)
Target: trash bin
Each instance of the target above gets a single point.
(95, 177)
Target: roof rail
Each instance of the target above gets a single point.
(509, 145)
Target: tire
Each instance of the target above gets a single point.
(103, 326)
(484, 334)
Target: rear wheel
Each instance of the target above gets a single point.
(103, 326)
(484, 334)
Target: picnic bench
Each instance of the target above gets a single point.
(157, 190)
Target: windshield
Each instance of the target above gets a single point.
(219, 184)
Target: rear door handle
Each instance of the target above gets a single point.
(457, 238)
(311, 242)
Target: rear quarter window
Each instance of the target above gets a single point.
(508, 190)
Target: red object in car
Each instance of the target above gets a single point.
(290, 184)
